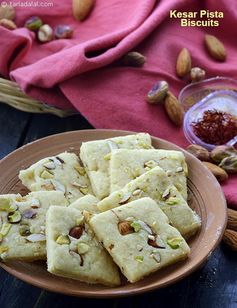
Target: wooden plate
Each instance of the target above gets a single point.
(206, 195)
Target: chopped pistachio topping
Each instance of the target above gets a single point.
(46, 175)
(80, 170)
(24, 230)
(79, 221)
(5, 229)
(3, 249)
(139, 259)
(84, 190)
(15, 217)
(63, 239)
(107, 156)
(144, 145)
(172, 201)
(174, 242)
(136, 226)
(5, 205)
(82, 248)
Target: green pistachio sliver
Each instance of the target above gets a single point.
(107, 156)
(175, 242)
(172, 201)
(5, 205)
(139, 259)
(1, 237)
(80, 170)
(3, 249)
(79, 221)
(63, 239)
(5, 229)
(82, 248)
(136, 226)
(15, 217)
(46, 175)
(24, 230)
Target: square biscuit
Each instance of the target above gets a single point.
(157, 185)
(95, 156)
(73, 250)
(22, 225)
(139, 239)
(62, 172)
(126, 165)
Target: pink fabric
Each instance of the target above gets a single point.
(78, 71)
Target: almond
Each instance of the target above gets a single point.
(174, 109)
(125, 227)
(230, 238)
(232, 219)
(184, 63)
(8, 24)
(218, 172)
(215, 47)
(82, 8)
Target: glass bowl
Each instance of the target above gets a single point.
(218, 94)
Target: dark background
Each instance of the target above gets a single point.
(214, 285)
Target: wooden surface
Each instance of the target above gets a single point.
(214, 285)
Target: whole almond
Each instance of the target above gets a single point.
(218, 172)
(8, 24)
(198, 151)
(125, 227)
(184, 63)
(232, 219)
(215, 47)
(82, 8)
(174, 109)
(7, 12)
(230, 238)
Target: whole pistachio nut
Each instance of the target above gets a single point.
(158, 92)
(45, 34)
(133, 58)
(33, 23)
(198, 151)
(229, 164)
(197, 74)
(7, 11)
(63, 32)
(222, 151)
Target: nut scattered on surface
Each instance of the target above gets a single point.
(14, 217)
(45, 34)
(229, 164)
(63, 32)
(63, 239)
(199, 152)
(125, 227)
(218, 172)
(230, 239)
(222, 151)
(8, 24)
(125, 198)
(82, 8)
(174, 109)
(184, 63)
(197, 74)
(133, 58)
(36, 238)
(158, 92)
(7, 12)
(82, 248)
(76, 232)
(232, 219)
(33, 23)
(215, 47)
